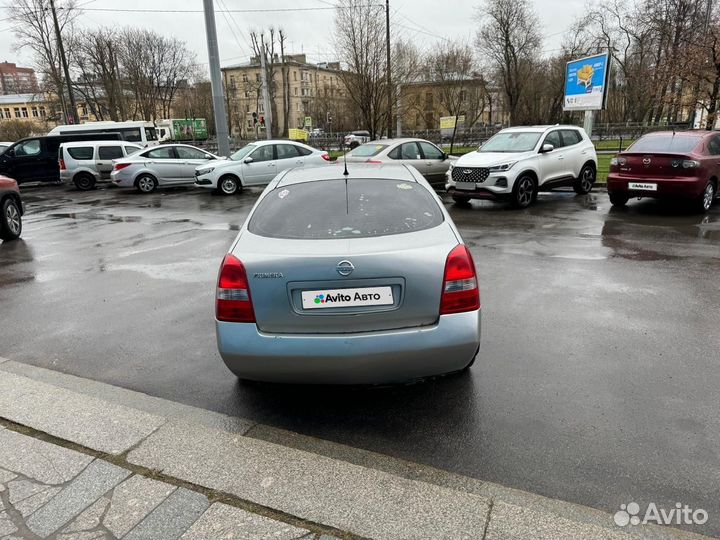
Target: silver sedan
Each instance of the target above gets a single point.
(357, 279)
(164, 165)
(427, 158)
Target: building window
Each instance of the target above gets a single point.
(247, 93)
(257, 77)
(295, 75)
(245, 77)
(43, 113)
(295, 90)
(34, 111)
(7, 112)
(16, 110)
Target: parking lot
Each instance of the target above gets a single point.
(597, 378)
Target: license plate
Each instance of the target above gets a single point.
(642, 186)
(465, 185)
(340, 298)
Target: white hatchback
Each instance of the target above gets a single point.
(516, 163)
(257, 164)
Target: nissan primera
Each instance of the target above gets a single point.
(360, 278)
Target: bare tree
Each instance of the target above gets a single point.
(510, 37)
(704, 69)
(33, 28)
(461, 89)
(265, 44)
(360, 45)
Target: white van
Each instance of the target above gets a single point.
(142, 133)
(86, 162)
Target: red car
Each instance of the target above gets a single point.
(668, 165)
(11, 209)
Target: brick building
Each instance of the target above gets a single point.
(17, 80)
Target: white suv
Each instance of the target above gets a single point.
(518, 162)
(86, 162)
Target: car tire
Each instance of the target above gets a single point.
(618, 199)
(229, 185)
(84, 181)
(146, 183)
(586, 179)
(524, 191)
(705, 201)
(10, 220)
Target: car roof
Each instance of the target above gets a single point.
(356, 170)
(388, 142)
(539, 129)
(86, 143)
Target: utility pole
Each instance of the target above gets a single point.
(389, 78)
(70, 118)
(216, 85)
(265, 91)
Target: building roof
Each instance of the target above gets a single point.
(11, 99)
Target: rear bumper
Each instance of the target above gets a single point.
(680, 187)
(363, 358)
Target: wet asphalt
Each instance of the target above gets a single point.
(598, 379)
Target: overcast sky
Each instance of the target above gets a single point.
(423, 21)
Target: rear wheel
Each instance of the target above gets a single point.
(618, 199)
(10, 220)
(524, 191)
(229, 185)
(84, 181)
(704, 202)
(146, 184)
(584, 182)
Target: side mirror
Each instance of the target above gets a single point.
(444, 157)
(248, 160)
(209, 156)
(547, 147)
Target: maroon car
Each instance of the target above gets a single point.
(668, 165)
(11, 209)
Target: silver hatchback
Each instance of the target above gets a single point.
(348, 279)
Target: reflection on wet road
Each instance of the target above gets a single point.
(598, 375)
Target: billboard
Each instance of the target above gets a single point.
(586, 83)
(187, 129)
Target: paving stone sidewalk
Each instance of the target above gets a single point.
(51, 492)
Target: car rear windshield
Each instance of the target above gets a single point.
(666, 143)
(356, 208)
(368, 150)
(512, 141)
(81, 152)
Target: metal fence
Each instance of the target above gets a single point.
(473, 137)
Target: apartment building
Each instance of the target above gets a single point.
(17, 80)
(314, 91)
(28, 107)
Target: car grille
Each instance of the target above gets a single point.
(470, 174)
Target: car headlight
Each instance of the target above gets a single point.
(206, 170)
(503, 167)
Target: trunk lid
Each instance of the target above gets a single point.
(655, 165)
(398, 279)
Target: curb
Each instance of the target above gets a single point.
(319, 487)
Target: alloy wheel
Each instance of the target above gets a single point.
(708, 197)
(525, 191)
(146, 184)
(587, 180)
(13, 219)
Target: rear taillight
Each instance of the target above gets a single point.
(460, 287)
(232, 301)
(62, 165)
(120, 166)
(325, 156)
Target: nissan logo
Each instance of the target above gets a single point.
(646, 161)
(345, 268)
